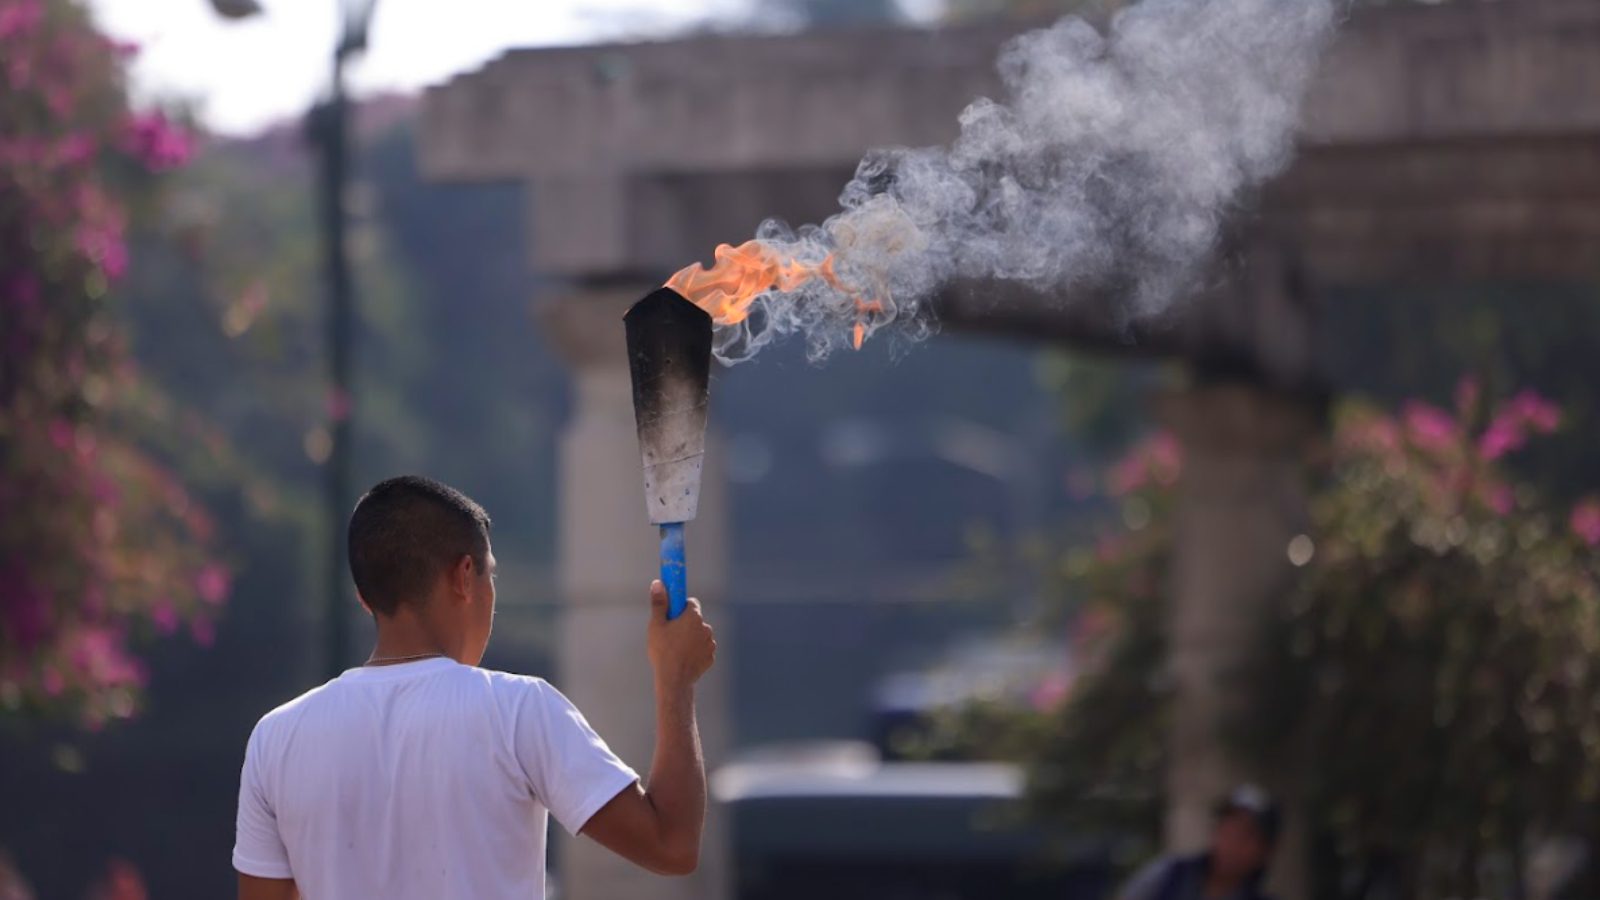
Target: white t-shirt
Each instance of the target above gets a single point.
(428, 780)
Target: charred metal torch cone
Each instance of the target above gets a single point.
(669, 357)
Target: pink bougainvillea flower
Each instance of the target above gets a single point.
(164, 616)
(155, 141)
(1371, 432)
(105, 248)
(76, 149)
(1504, 435)
(59, 100)
(1127, 476)
(98, 653)
(20, 18)
(1527, 412)
(1430, 427)
(104, 490)
(1585, 521)
(1157, 460)
(1498, 497)
(60, 431)
(1166, 459)
(19, 71)
(1050, 692)
(212, 583)
(1536, 411)
(99, 233)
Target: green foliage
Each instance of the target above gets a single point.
(1100, 763)
(1096, 756)
(1540, 336)
(1433, 671)
(1439, 655)
(99, 543)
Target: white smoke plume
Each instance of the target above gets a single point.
(1112, 158)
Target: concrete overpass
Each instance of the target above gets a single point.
(1443, 143)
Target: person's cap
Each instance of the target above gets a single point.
(1258, 804)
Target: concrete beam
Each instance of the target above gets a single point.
(648, 227)
(713, 103)
(1456, 141)
(1464, 69)
(1408, 73)
(1256, 321)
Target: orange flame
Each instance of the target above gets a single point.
(741, 274)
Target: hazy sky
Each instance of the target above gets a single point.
(245, 74)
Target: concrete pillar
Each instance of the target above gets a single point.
(1242, 500)
(607, 554)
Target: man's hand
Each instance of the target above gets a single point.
(681, 650)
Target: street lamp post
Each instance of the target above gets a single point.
(327, 130)
(328, 133)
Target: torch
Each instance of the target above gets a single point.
(669, 357)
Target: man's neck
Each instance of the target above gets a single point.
(403, 638)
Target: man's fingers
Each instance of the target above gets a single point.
(658, 596)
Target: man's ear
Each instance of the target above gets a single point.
(363, 601)
(463, 576)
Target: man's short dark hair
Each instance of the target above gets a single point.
(405, 533)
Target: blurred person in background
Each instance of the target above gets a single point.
(1242, 840)
(418, 775)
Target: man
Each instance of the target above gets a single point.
(1242, 840)
(420, 775)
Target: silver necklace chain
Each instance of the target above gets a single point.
(377, 660)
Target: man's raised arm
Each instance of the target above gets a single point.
(658, 826)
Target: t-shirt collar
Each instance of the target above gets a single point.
(395, 671)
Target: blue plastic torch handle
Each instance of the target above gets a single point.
(674, 570)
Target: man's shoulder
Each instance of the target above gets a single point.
(291, 709)
(520, 695)
(511, 679)
(511, 683)
(506, 690)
